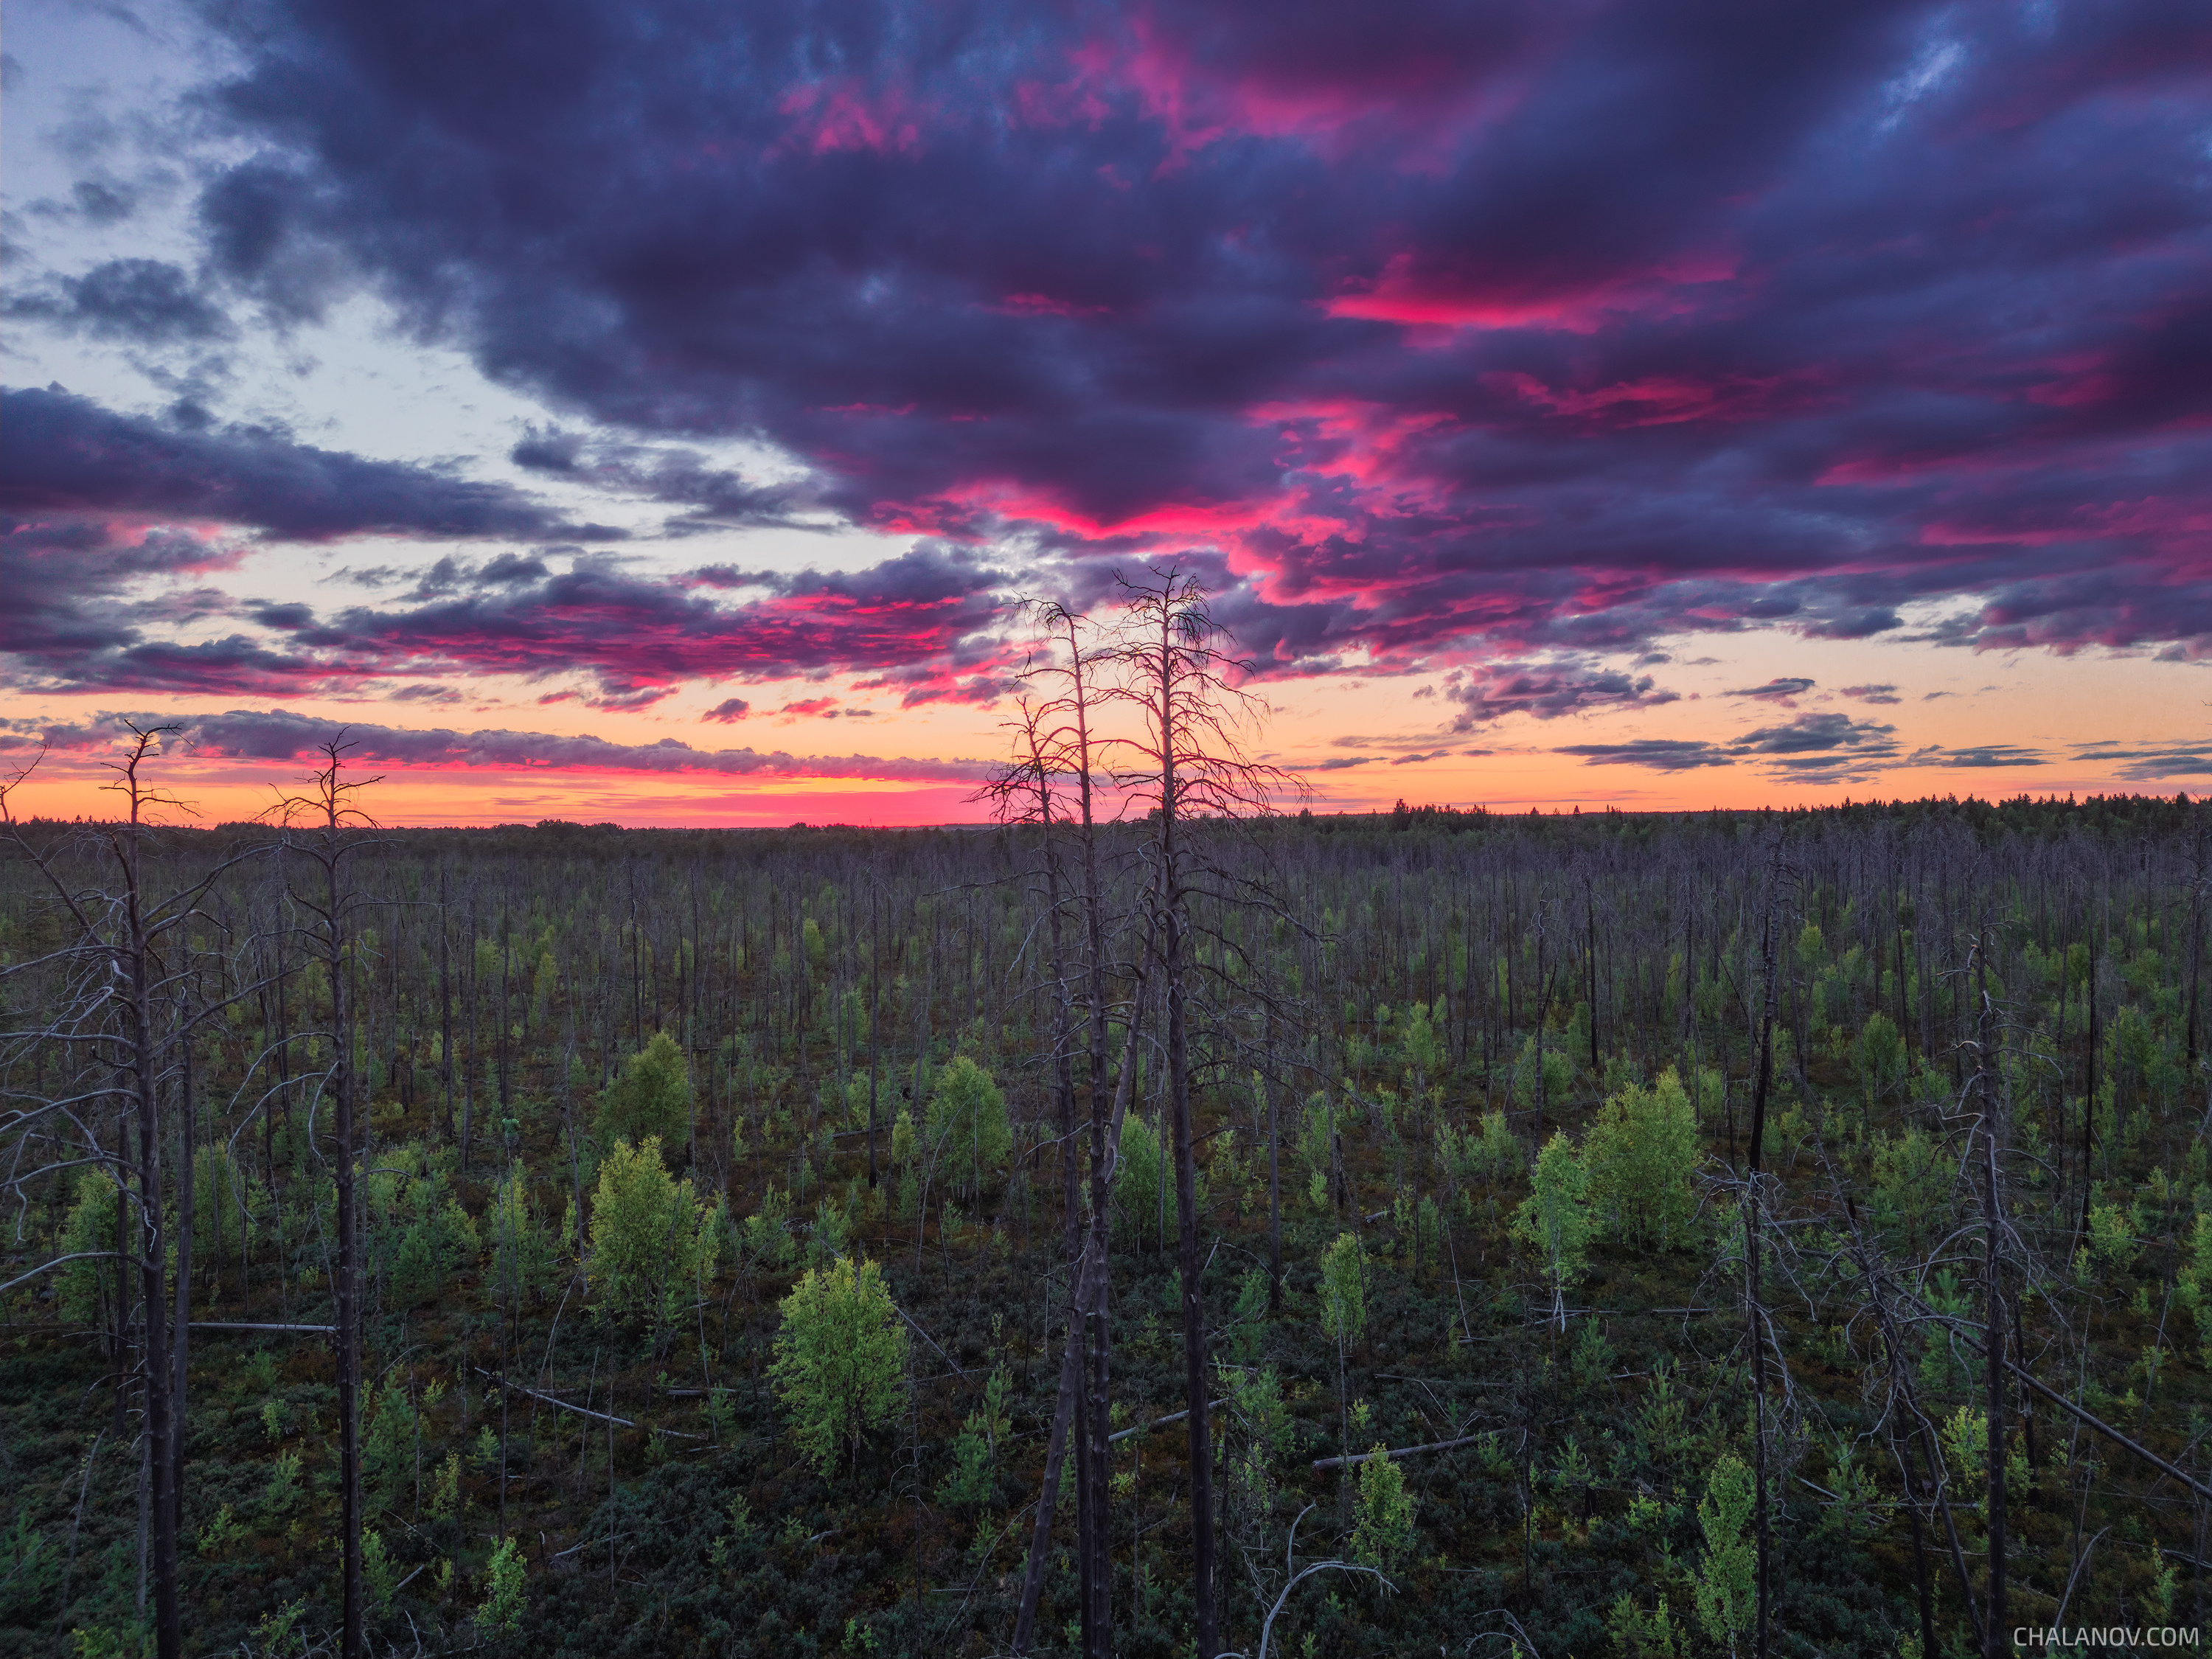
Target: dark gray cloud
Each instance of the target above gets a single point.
(141, 302)
(281, 735)
(2146, 765)
(1821, 749)
(1547, 690)
(68, 455)
(1775, 690)
(1977, 756)
(1658, 754)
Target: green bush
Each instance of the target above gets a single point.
(651, 1097)
(1555, 1217)
(968, 1125)
(1641, 1152)
(840, 1359)
(652, 1239)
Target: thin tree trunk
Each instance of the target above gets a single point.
(1755, 1313)
(180, 1342)
(1996, 1635)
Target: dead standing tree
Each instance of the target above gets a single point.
(1055, 749)
(320, 826)
(122, 1009)
(1753, 1230)
(1022, 792)
(1189, 762)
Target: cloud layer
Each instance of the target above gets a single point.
(281, 735)
(1508, 339)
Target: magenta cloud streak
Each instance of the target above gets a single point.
(1502, 337)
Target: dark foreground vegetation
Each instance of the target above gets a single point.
(715, 1196)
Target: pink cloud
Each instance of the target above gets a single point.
(1435, 299)
(843, 115)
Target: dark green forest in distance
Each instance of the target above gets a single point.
(1584, 1234)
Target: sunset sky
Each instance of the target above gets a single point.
(646, 410)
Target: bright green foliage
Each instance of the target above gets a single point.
(84, 1285)
(1641, 1154)
(1256, 1433)
(1574, 1040)
(1660, 1426)
(1912, 1178)
(852, 1027)
(1880, 1055)
(651, 1097)
(968, 1123)
(1256, 1405)
(1944, 1365)
(2112, 1242)
(500, 1611)
(419, 1235)
(1965, 1436)
(1641, 1635)
(225, 1204)
(1455, 1154)
(833, 1231)
(975, 1477)
(1343, 1290)
(1555, 1217)
(283, 1489)
(1422, 1040)
(1229, 1173)
(2135, 1054)
(1382, 1524)
(1489, 1153)
(1812, 950)
(1318, 1128)
(524, 1261)
(1594, 1357)
(767, 1235)
(839, 1358)
(652, 1239)
(1419, 1223)
(388, 1450)
(1726, 1586)
(445, 1488)
(378, 1578)
(1499, 1154)
(855, 1103)
(217, 1536)
(1143, 1192)
(1248, 1322)
(1558, 1075)
(2192, 1283)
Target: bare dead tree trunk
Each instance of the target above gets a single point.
(329, 806)
(187, 1138)
(1033, 774)
(875, 1012)
(1274, 1175)
(349, 1277)
(1996, 1634)
(1755, 1311)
